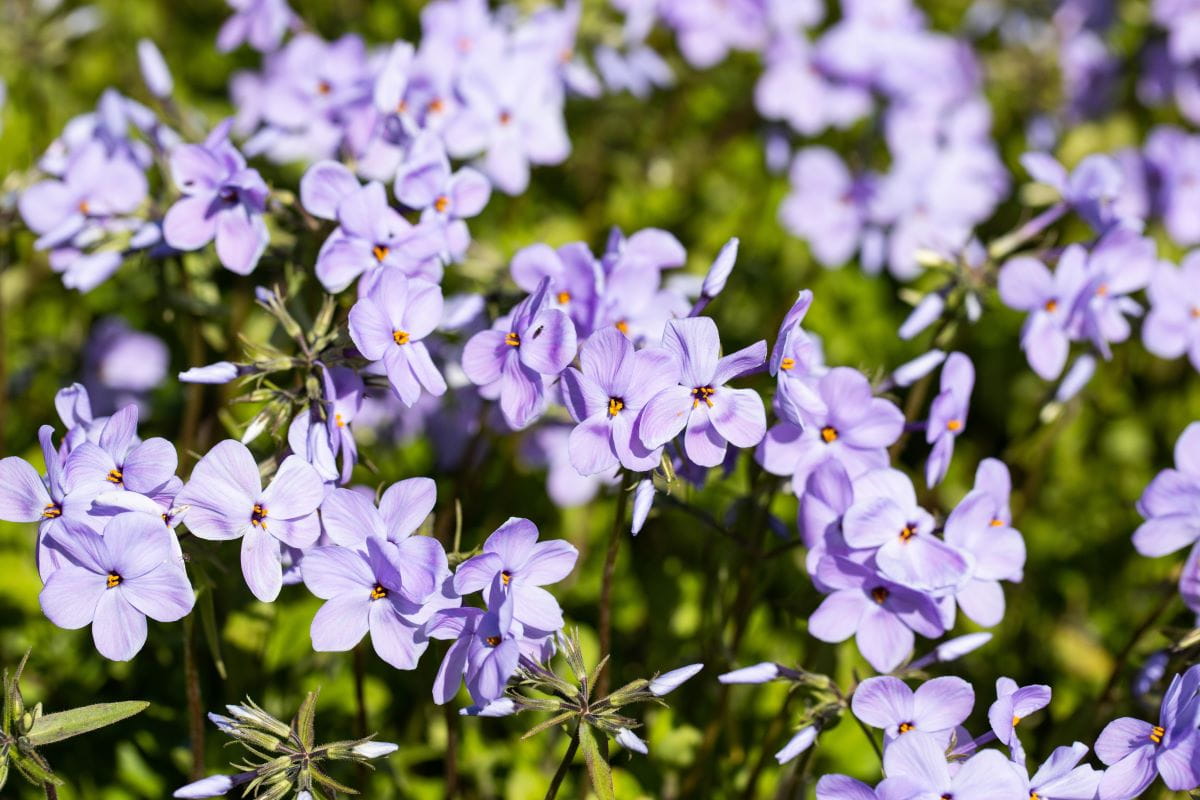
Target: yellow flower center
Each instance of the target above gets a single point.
(323, 87)
(879, 594)
(787, 363)
(52, 511)
(84, 208)
(512, 340)
(829, 434)
(337, 420)
(1051, 305)
(1157, 733)
(436, 106)
(701, 394)
(563, 298)
(380, 251)
(378, 593)
(954, 425)
(622, 326)
(441, 204)
(907, 532)
(1016, 720)
(258, 516)
(114, 476)
(615, 404)
(400, 337)
(997, 523)
(114, 580)
(505, 577)
(905, 727)
(492, 641)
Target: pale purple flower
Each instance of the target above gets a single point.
(510, 360)
(924, 314)
(389, 589)
(631, 741)
(910, 372)
(1062, 777)
(669, 681)
(113, 582)
(1174, 158)
(1076, 378)
(487, 649)
(259, 23)
(576, 279)
(793, 89)
(1172, 327)
(937, 706)
(885, 515)
(992, 478)
(228, 502)
(712, 414)
(118, 460)
(1171, 503)
(122, 364)
(426, 182)
(643, 499)
(948, 415)
(605, 397)
(1136, 751)
(216, 373)
(977, 528)
(388, 324)
(1013, 704)
(513, 568)
(827, 205)
(856, 429)
(1091, 189)
(881, 614)
(916, 766)
(223, 199)
(801, 740)
(372, 238)
(843, 787)
(1027, 285)
(1120, 263)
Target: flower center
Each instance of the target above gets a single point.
(1195, 312)
(511, 339)
(615, 404)
(258, 516)
(505, 117)
(84, 208)
(787, 363)
(227, 194)
(907, 532)
(436, 106)
(505, 578)
(52, 511)
(829, 434)
(441, 204)
(324, 87)
(997, 523)
(492, 641)
(954, 425)
(947, 796)
(378, 593)
(905, 727)
(1051, 305)
(337, 418)
(114, 476)
(879, 594)
(1016, 720)
(399, 337)
(563, 298)
(114, 580)
(622, 326)
(701, 394)
(1102, 290)
(1033, 795)
(380, 251)
(1157, 733)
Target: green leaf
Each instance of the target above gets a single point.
(304, 724)
(597, 767)
(65, 724)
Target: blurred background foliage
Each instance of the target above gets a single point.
(689, 160)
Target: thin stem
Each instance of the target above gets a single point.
(610, 563)
(563, 766)
(51, 791)
(195, 702)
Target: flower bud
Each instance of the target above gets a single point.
(631, 741)
(670, 681)
(803, 740)
(722, 266)
(154, 69)
(374, 749)
(756, 673)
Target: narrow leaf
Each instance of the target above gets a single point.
(597, 767)
(65, 724)
(304, 724)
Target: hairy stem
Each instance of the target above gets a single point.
(563, 766)
(51, 791)
(195, 703)
(610, 563)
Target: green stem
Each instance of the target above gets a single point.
(563, 766)
(610, 563)
(195, 702)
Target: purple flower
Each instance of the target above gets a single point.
(827, 205)
(260, 23)
(937, 706)
(856, 429)
(228, 502)
(511, 359)
(1062, 777)
(372, 238)
(388, 324)
(948, 415)
(113, 582)
(389, 589)
(155, 72)
(350, 518)
(843, 787)
(1027, 285)
(885, 515)
(881, 614)
(828, 494)
(1120, 263)
(117, 461)
(671, 680)
(992, 478)
(513, 567)
(446, 198)
(1172, 328)
(711, 413)
(1135, 751)
(1171, 503)
(916, 766)
(1013, 704)
(977, 528)
(95, 186)
(1091, 189)
(605, 398)
(801, 740)
(576, 279)
(344, 393)
(798, 362)
(488, 646)
(223, 199)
